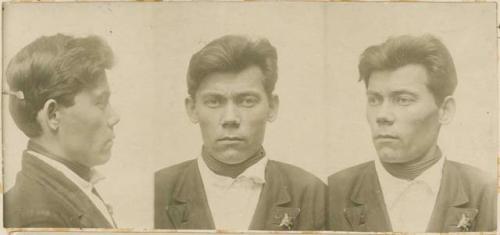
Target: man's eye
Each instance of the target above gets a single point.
(403, 100)
(249, 101)
(102, 105)
(373, 101)
(212, 103)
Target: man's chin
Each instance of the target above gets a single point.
(231, 157)
(100, 159)
(390, 156)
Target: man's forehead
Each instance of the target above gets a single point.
(99, 87)
(408, 77)
(247, 80)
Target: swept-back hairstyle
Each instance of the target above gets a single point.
(53, 67)
(425, 50)
(233, 53)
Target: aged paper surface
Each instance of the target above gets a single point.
(321, 124)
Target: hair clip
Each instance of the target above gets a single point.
(17, 94)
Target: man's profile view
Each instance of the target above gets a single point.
(412, 186)
(59, 98)
(233, 184)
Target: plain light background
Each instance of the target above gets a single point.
(321, 124)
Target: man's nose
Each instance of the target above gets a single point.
(231, 116)
(385, 114)
(114, 117)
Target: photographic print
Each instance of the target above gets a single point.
(250, 116)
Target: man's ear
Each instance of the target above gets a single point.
(447, 110)
(274, 104)
(50, 114)
(190, 104)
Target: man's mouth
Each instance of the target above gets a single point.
(109, 143)
(386, 137)
(230, 139)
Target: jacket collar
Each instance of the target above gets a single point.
(88, 215)
(82, 171)
(93, 176)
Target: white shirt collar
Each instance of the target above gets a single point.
(392, 185)
(255, 172)
(96, 176)
(232, 201)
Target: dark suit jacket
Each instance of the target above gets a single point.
(181, 203)
(43, 197)
(356, 201)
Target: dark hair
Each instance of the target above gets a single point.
(53, 67)
(425, 50)
(233, 53)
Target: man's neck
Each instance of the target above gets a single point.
(51, 151)
(230, 170)
(48, 145)
(412, 169)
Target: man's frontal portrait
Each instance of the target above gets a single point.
(232, 109)
(233, 184)
(412, 186)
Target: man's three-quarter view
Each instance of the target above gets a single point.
(412, 186)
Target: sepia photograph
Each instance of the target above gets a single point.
(249, 116)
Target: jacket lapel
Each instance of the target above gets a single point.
(356, 216)
(282, 216)
(367, 211)
(450, 213)
(273, 210)
(90, 216)
(189, 209)
(87, 215)
(178, 214)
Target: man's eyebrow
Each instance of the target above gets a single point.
(404, 91)
(237, 93)
(370, 92)
(210, 93)
(104, 95)
(248, 93)
(395, 92)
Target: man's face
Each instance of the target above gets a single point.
(86, 128)
(232, 110)
(402, 113)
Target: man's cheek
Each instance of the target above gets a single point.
(256, 118)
